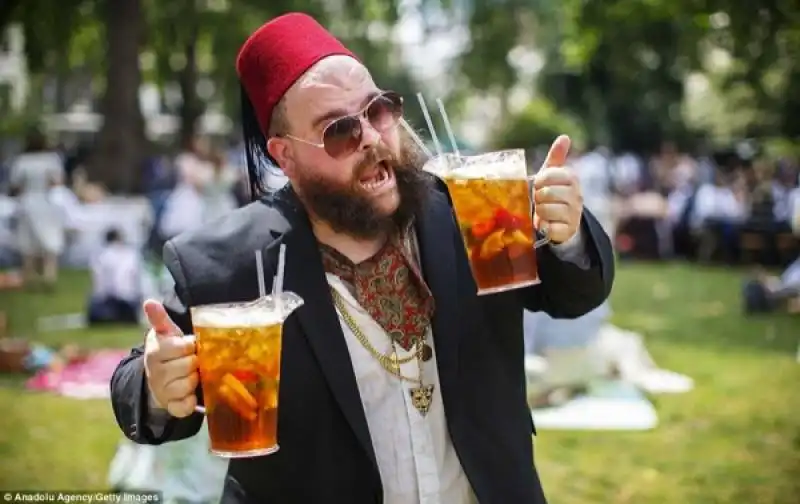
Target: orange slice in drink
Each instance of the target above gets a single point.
(235, 403)
(239, 390)
(492, 245)
(517, 237)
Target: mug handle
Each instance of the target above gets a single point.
(544, 240)
(545, 237)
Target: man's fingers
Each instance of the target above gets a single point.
(178, 368)
(181, 387)
(554, 176)
(159, 320)
(559, 150)
(553, 194)
(553, 212)
(181, 408)
(559, 232)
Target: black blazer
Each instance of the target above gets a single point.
(326, 454)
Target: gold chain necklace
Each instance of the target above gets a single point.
(422, 395)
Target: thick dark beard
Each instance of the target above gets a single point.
(349, 211)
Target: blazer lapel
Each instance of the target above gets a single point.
(305, 276)
(435, 226)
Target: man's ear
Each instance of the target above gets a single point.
(281, 151)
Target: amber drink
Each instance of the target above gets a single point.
(239, 358)
(492, 202)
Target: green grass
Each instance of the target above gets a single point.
(734, 439)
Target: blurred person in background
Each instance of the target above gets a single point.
(783, 184)
(672, 169)
(767, 293)
(184, 208)
(39, 220)
(719, 209)
(217, 185)
(237, 160)
(116, 279)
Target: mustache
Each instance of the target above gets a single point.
(375, 155)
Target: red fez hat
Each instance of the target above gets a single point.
(278, 54)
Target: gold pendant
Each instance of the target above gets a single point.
(421, 398)
(394, 362)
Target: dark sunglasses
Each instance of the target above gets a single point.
(343, 136)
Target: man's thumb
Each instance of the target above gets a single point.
(159, 320)
(559, 150)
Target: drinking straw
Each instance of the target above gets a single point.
(417, 140)
(430, 124)
(281, 267)
(262, 289)
(448, 127)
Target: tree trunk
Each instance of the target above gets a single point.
(191, 106)
(117, 160)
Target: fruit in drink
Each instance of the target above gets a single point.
(495, 220)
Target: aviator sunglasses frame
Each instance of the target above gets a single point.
(348, 139)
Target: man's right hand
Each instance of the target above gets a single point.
(170, 363)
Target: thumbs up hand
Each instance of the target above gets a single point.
(557, 194)
(170, 363)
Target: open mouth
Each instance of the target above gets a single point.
(377, 178)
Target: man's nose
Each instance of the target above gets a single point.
(370, 137)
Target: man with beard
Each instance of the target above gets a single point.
(391, 307)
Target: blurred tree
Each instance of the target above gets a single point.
(537, 125)
(496, 27)
(117, 159)
(192, 40)
(49, 39)
(182, 43)
(621, 65)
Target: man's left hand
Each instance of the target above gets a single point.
(557, 194)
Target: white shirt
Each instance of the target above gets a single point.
(416, 458)
(594, 174)
(116, 272)
(795, 203)
(782, 209)
(714, 202)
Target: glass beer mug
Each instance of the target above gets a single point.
(239, 361)
(493, 205)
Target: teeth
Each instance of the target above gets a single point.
(380, 177)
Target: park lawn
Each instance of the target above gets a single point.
(734, 439)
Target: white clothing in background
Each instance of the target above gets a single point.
(714, 202)
(184, 208)
(116, 272)
(40, 224)
(795, 203)
(217, 192)
(594, 174)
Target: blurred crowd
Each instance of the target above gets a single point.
(730, 206)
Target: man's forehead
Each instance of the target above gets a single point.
(330, 82)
